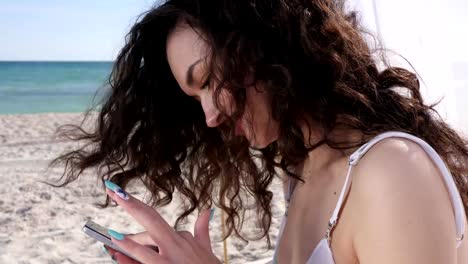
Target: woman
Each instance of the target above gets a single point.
(203, 90)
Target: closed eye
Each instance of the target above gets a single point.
(206, 84)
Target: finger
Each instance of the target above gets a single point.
(202, 231)
(142, 238)
(119, 257)
(186, 235)
(145, 239)
(158, 229)
(124, 259)
(110, 251)
(139, 252)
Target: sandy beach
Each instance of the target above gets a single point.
(42, 224)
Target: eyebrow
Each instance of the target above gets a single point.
(189, 77)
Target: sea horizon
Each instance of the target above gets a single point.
(28, 87)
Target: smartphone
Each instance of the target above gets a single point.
(100, 234)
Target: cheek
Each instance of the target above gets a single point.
(226, 102)
(257, 108)
(261, 128)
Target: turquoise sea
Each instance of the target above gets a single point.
(38, 87)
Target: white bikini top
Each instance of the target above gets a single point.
(322, 253)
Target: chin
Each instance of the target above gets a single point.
(262, 139)
(261, 144)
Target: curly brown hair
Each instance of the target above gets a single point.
(314, 62)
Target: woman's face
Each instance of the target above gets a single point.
(186, 54)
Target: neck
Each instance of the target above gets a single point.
(324, 156)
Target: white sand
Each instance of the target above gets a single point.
(42, 224)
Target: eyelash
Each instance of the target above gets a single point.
(206, 83)
(204, 86)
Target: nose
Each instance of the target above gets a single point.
(212, 114)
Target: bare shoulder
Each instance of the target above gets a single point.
(397, 163)
(402, 202)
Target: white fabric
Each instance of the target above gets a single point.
(322, 253)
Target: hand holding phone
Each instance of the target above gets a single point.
(175, 247)
(99, 233)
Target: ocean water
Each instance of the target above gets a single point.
(38, 87)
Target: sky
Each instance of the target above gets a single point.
(94, 29)
(53, 30)
(431, 34)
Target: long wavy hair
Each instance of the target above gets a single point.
(313, 60)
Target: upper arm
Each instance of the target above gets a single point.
(403, 208)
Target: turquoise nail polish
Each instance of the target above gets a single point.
(211, 214)
(115, 188)
(112, 186)
(115, 234)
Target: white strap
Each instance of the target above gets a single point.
(343, 193)
(457, 203)
(291, 185)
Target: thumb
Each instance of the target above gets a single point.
(201, 232)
